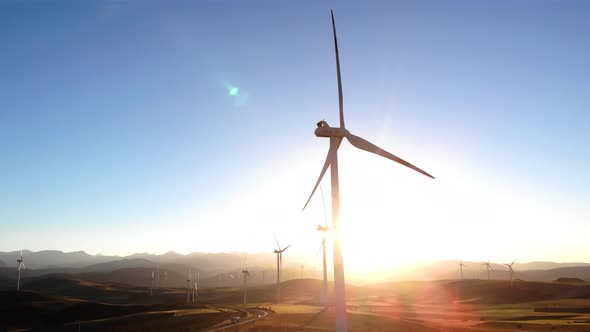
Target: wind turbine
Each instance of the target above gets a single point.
(488, 268)
(246, 275)
(157, 277)
(188, 287)
(324, 229)
(194, 282)
(152, 287)
(461, 266)
(21, 265)
(279, 253)
(510, 270)
(336, 135)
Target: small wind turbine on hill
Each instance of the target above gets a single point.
(488, 268)
(461, 266)
(336, 135)
(510, 271)
(21, 265)
(279, 253)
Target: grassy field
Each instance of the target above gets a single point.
(470, 305)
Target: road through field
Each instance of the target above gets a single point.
(252, 314)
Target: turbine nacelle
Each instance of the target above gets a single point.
(324, 130)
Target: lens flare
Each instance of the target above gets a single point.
(232, 90)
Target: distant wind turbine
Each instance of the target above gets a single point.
(152, 285)
(324, 229)
(488, 268)
(246, 275)
(461, 266)
(510, 271)
(336, 135)
(188, 287)
(194, 282)
(157, 276)
(279, 253)
(21, 265)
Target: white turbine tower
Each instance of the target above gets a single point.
(21, 265)
(488, 268)
(461, 266)
(336, 135)
(510, 271)
(279, 253)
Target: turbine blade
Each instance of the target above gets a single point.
(363, 144)
(278, 245)
(320, 248)
(287, 247)
(340, 98)
(334, 144)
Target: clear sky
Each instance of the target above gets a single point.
(152, 126)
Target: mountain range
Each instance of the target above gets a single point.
(224, 269)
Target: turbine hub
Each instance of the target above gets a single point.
(324, 130)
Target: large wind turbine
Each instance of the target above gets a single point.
(510, 270)
(488, 268)
(336, 135)
(21, 265)
(279, 253)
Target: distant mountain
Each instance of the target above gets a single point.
(55, 259)
(449, 270)
(580, 272)
(545, 265)
(214, 266)
(120, 264)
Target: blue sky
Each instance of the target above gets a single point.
(118, 132)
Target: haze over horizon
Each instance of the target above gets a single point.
(152, 127)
